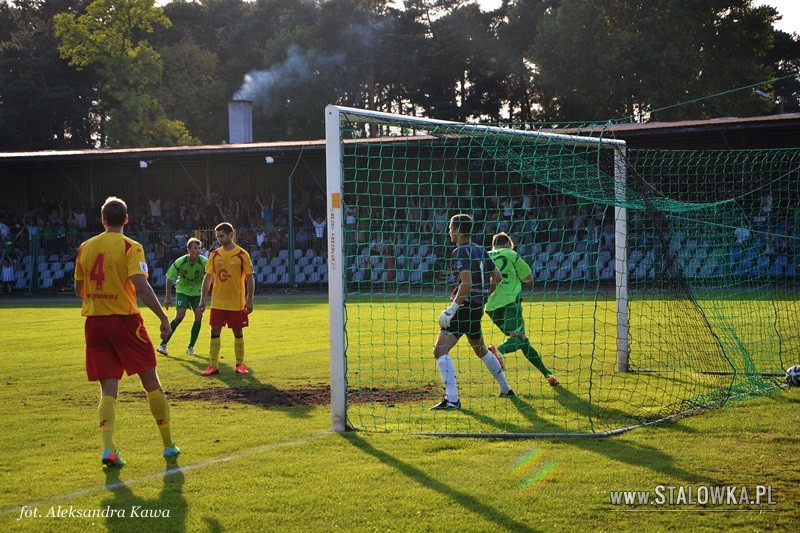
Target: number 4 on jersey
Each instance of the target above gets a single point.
(97, 274)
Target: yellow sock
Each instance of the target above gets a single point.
(238, 349)
(160, 409)
(213, 351)
(107, 412)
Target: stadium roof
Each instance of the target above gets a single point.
(127, 153)
(770, 131)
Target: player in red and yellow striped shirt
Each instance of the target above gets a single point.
(110, 271)
(230, 270)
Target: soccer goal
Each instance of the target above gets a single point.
(664, 282)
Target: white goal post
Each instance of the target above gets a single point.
(334, 117)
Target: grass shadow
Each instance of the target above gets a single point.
(639, 455)
(467, 501)
(166, 512)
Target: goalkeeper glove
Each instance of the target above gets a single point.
(447, 315)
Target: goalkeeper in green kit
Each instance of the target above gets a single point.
(504, 306)
(189, 271)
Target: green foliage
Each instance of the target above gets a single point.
(43, 103)
(192, 92)
(527, 60)
(626, 58)
(110, 36)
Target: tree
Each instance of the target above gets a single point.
(627, 58)
(44, 104)
(110, 37)
(784, 59)
(192, 92)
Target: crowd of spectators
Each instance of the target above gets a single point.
(382, 223)
(164, 224)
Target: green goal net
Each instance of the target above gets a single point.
(664, 282)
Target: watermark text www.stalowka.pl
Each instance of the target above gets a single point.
(703, 495)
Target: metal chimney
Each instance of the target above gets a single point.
(240, 121)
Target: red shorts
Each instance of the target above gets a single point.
(232, 319)
(117, 343)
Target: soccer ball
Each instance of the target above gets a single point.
(793, 376)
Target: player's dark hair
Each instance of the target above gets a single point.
(224, 227)
(114, 211)
(463, 224)
(191, 241)
(502, 240)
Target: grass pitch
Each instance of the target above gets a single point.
(249, 464)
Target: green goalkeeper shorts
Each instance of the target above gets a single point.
(186, 302)
(508, 318)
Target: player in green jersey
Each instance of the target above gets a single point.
(504, 306)
(188, 270)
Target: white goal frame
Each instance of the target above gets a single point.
(334, 116)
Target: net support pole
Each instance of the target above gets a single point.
(621, 257)
(336, 269)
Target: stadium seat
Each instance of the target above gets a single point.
(54, 257)
(271, 279)
(283, 254)
(314, 277)
(69, 266)
(761, 266)
(262, 262)
(542, 257)
(283, 279)
(298, 253)
(309, 254)
(281, 269)
(303, 261)
(400, 276)
(299, 278)
(317, 260)
(778, 267)
(276, 261)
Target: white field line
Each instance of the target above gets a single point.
(160, 475)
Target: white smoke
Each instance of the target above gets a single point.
(300, 66)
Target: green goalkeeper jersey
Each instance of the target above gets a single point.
(514, 269)
(189, 276)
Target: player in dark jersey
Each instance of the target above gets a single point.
(476, 276)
